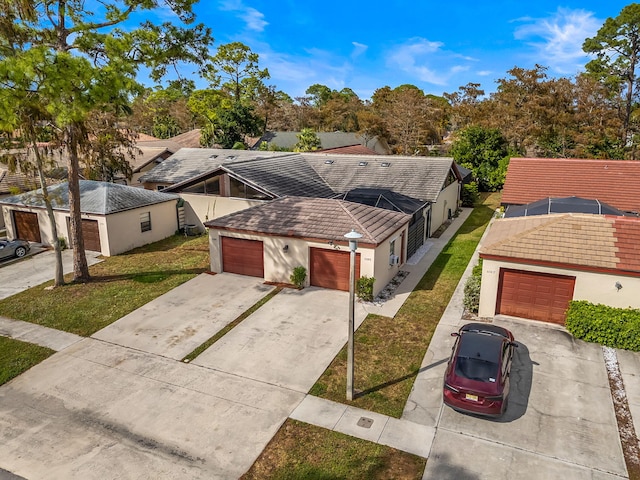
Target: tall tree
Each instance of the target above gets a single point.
(617, 50)
(308, 141)
(88, 63)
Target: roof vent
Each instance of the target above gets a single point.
(385, 164)
(363, 164)
(213, 156)
(328, 162)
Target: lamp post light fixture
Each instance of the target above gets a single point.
(353, 237)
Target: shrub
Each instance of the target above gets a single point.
(469, 194)
(62, 242)
(364, 288)
(609, 326)
(472, 294)
(298, 276)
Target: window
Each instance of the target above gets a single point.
(392, 247)
(145, 221)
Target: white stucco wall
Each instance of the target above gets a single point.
(119, 232)
(278, 264)
(447, 199)
(590, 286)
(122, 230)
(200, 208)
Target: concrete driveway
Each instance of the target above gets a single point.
(35, 270)
(99, 410)
(560, 422)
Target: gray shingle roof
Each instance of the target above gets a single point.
(316, 218)
(281, 176)
(188, 163)
(421, 178)
(101, 198)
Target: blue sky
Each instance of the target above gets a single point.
(437, 46)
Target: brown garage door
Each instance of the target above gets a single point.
(539, 296)
(91, 235)
(27, 227)
(330, 268)
(241, 256)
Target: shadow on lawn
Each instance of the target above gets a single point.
(384, 385)
(146, 277)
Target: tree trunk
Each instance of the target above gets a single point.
(59, 275)
(80, 267)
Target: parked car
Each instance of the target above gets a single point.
(13, 248)
(477, 376)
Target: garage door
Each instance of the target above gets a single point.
(538, 296)
(91, 235)
(27, 227)
(241, 256)
(330, 268)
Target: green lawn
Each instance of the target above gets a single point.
(119, 285)
(17, 357)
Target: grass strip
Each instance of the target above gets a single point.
(17, 357)
(389, 351)
(119, 285)
(300, 450)
(231, 325)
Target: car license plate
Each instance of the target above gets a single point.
(468, 396)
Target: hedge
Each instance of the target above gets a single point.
(613, 327)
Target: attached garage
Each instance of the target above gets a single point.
(27, 226)
(534, 295)
(330, 268)
(91, 235)
(244, 257)
(534, 266)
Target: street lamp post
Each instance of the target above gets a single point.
(353, 237)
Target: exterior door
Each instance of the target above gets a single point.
(91, 235)
(244, 257)
(534, 295)
(330, 268)
(27, 226)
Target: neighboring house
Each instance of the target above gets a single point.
(534, 266)
(115, 218)
(148, 158)
(610, 181)
(349, 150)
(190, 139)
(271, 239)
(328, 140)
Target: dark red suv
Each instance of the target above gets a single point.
(477, 376)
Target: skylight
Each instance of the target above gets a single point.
(328, 162)
(385, 164)
(363, 164)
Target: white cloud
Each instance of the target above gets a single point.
(426, 61)
(557, 40)
(359, 49)
(253, 18)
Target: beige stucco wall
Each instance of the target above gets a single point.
(122, 230)
(278, 264)
(119, 232)
(589, 286)
(200, 208)
(447, 199)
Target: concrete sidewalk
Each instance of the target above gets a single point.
(31, 333)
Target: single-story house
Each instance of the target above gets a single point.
(610, 181)
(271, 239)
(428, 188)
(328, 140)
(533, 266)
(115, 218)
(145, 160)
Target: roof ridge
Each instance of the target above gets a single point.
(363, 229)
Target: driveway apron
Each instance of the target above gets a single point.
(289, 341)
(175, 323)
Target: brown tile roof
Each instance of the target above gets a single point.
(610, 181)
(581, 240)
(190, 139)
(314, 218)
